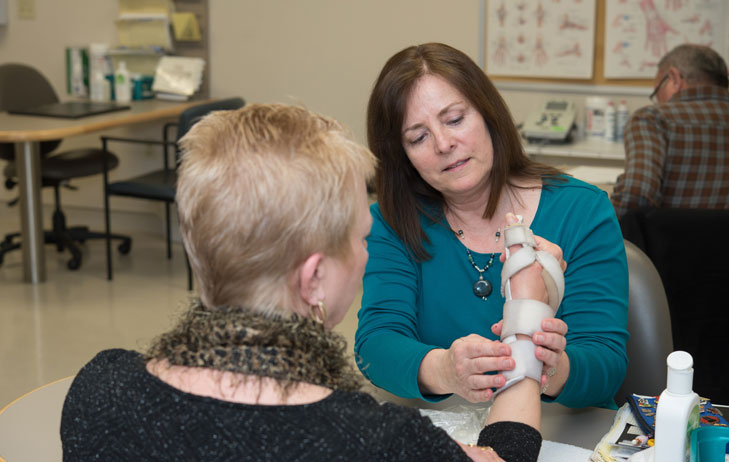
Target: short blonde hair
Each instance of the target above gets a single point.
(259, 190)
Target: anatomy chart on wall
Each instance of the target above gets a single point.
(639, 32)
(540, 38)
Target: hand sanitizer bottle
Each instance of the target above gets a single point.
(677, 413)
(122, 83)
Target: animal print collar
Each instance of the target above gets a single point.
(288, 349)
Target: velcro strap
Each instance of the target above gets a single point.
(553, 278)
(518, 234)
(526, 364)
(524, 316)
(515, 263)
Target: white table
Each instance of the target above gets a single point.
(30, 425)
(595, 161)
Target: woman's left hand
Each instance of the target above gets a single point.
(551, 343)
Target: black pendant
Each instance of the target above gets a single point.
(482, 288)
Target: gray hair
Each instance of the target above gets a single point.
(698, 64)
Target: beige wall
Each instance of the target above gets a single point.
(324, 54)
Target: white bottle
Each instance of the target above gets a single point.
(595, 117)
(78, 87)
(610, 122)
(98, 69)
(122, 83)
(622, 119)
(677, 413)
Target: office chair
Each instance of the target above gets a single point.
(159, 185)
(22, 86)
(649, 325)
(686, 246)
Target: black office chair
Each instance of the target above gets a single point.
(159, 185)
(686, 246)
(22, 86)
(649, 325)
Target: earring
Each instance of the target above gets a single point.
(321, 316)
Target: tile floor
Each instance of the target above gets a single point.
(48, 331)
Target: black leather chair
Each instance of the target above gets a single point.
(688, 250)
(22, 86)
(159, 185)
(649, 325)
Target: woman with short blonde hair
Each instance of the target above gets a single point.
(274, 216)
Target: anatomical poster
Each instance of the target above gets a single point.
(540, 38)
(639, 32)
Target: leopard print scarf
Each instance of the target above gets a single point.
(289, 349)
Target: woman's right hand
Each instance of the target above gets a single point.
(461, 369)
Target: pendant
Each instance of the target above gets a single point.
(482, 288)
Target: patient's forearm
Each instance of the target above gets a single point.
(519, 403)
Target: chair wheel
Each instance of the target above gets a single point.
(125, 247)
(74, 264)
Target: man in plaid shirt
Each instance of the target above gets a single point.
(677, 151)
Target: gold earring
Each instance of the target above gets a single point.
(321, 315)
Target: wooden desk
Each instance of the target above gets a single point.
(28, 131)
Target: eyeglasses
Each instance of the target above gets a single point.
(653, 95)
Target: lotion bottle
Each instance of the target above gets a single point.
(622, 119)
(677, 413)
(610, 122)
(122, 83)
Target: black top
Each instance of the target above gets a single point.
(116, 410)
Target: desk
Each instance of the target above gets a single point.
(578, 427)
(594, 161)
(581, 149)
(28, 131)
(30, 426)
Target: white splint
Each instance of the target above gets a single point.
(524, 316)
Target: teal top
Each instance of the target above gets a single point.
(410, 307)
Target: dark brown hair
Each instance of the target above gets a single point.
(401, 192)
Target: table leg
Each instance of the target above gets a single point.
(27, 164)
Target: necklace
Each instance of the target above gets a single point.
(482, 288)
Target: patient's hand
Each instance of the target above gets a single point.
(480, 453)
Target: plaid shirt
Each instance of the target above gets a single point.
(677, 153)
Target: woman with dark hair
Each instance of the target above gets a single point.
(451, 166)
